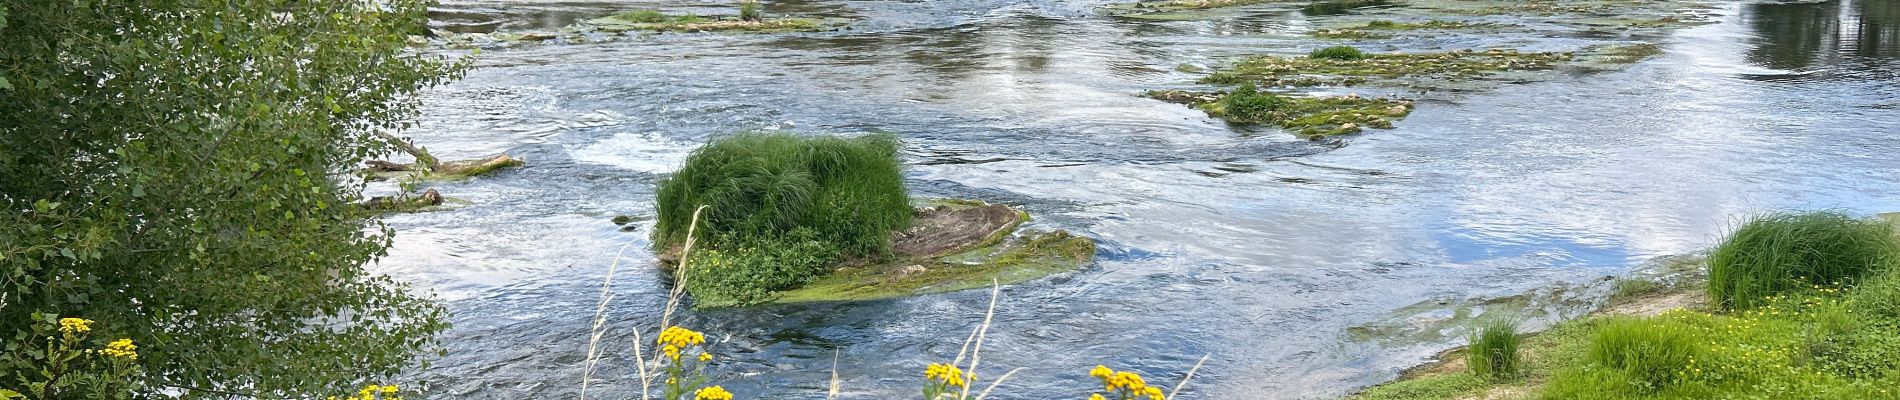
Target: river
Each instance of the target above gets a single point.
(1250, 245)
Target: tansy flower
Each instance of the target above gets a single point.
(705, 357)
(122, 348)
(713, 393)
(1101, 371)
(72, 326)
(1096, 396)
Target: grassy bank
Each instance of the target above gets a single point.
(1798, 306)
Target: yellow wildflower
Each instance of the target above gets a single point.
(1101, 371)
(1096, 396)
(705, 357)
(713, 393)
(122, 348)
(672, 352)
(73, 326)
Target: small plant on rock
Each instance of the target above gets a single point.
(1347, 53)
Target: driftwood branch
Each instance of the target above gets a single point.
(422, 156)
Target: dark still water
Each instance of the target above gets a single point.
(1252, 246)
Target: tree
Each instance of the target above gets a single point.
(183, 171)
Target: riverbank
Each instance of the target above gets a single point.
(1837, 359)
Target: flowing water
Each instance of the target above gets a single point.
(1249, 245)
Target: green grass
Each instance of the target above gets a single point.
(1805, 342)
(1492, 352)
(849, 191)
(1775, 253)
(1338, 53)
(1651, 355)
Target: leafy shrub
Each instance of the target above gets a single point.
(643, 16)
(182, 173)
(745, 273)
(1493, 351)
(849, 191)
(1652, 353)
(1248, 103)
(1338, 53)
(1778, 252)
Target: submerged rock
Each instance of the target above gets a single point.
(951, 245)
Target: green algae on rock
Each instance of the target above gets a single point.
(1311, 71)
(1307, 117)
(952, 245)
(1177, 9)
(649, 20)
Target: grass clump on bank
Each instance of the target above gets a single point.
(1780, 252)
(1309, 117)
(1492, 352)
(1341, 67)
(780, 208)
(1800, 341)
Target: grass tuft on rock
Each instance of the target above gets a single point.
(1775, 253)
(846, 191)
(1338, 53)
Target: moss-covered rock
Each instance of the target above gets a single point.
(952, 245)
(1308, 117)
(648, 20)
(1315, 71)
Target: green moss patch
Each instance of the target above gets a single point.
(1008, 257)
(1308, 117)
(1178, 9)
(1314, 71)
(648, 20)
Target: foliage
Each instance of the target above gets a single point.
(849, 191)
(1493, 351)
(181, 172)
(1338, 53)
(749, 272)
(61, 358)
(1778, 252)
(1247, 102)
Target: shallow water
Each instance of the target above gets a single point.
(1249, 245)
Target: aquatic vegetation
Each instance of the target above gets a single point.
(1308, 117)
(749, 11)
(848, 191)
(1492, 351)
(1348, 34)
(1314, 71)
(749, 20)
(1775, 253)
(1336, 7)
(1028, 256)
(1338, 53)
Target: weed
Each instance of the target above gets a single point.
(1652, 353)
(1778, 252)
(1493, 351)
